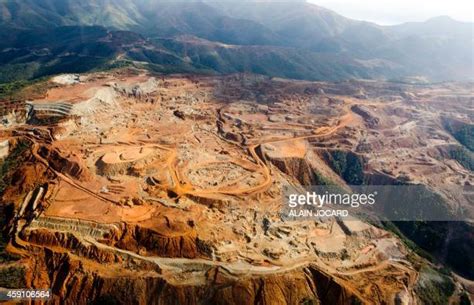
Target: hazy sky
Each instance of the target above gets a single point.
(398, 11)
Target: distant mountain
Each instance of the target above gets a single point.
(27, 14)
(437, 26)
(287, 39)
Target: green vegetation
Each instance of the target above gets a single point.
(339, 161)
(428, 240)
(12, 89)
(320, 179)
(7, 166)
(348, 165)
(392, 227)
(16, 73)
(308, 301)
(353, 173)
(434, 287)
(300, 41)
(428, 235)
(8, 89)
(5, 257)
(12, 277)
(464, 133)
(415, 202)
(463, 156)
(37, 53)
(464, 299)
(116, 64)
(458, 250)
(14, 159)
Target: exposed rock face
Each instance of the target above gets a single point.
(307, 169)
(66, 79)
(82, 285)
(85, 273)
(4, 149)
(155, 243)
(370, 119)
(128, 203)
(70, 242)
(65, 165)
(12, 113)
(298, 168)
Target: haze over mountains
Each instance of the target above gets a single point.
(285, 39)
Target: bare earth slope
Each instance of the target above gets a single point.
(167, 190)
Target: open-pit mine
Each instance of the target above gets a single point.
(146, 189)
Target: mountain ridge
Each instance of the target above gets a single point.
(334, 47)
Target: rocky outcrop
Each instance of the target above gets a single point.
(297, 168)
(4, 149)
(69, 241)
(371, 120)
(302, 286)
(62, 164)
(137, 238)
(82, 227)
(89, 274)
(309, 169)
(12, 113)
(218, 202)
(68, 234)
(80, 283)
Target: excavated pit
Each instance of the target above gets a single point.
(170, 191)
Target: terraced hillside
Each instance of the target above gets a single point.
(135, 188)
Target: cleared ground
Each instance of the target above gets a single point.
(185, 173)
